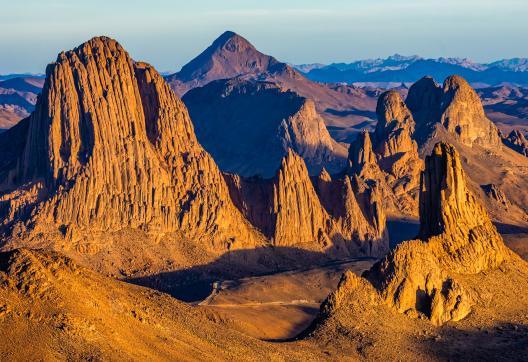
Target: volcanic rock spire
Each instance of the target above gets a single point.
(391, 158)
(110, 146)
(459, 238)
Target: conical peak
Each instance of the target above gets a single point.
(233, 42)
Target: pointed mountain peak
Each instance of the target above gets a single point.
(233, 42)
(230, 55)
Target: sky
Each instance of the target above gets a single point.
(167, 34)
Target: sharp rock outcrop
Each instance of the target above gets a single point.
(290, 210)
(110, 146)
(456, 107)
(391, 159)
(458, 238)
(232, 116)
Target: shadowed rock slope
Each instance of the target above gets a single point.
(231, 55)
(460, 271)
(248, 125)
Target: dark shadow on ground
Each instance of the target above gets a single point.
(510, 229)
(502, 342)
(196, 283)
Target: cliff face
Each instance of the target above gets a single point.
(110, 146)
(463, 114)
(232, 116)
(291, 211)
(395, 126)
(294, 203)
(458, 228)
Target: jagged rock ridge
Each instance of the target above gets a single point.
(290, 210)
(232, 116)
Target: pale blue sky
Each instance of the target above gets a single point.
(167, 33)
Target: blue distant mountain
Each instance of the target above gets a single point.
(20, 75)
(407, 69)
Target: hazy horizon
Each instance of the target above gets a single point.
(168, 35)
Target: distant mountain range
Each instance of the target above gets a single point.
(20, 75)
(406, 69)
